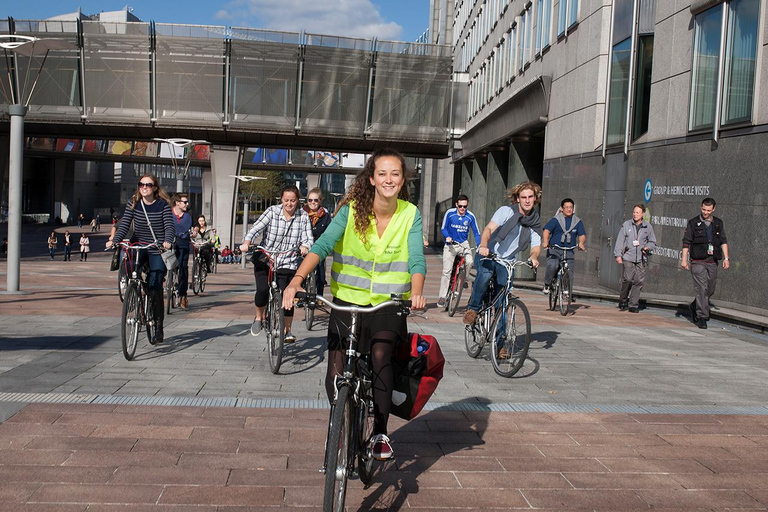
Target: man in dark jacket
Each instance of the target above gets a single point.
(705, 241)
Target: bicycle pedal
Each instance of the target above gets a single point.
(322, 470)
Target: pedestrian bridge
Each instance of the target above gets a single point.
(235, 87)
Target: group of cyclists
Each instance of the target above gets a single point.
(375, 242)
(152, 217)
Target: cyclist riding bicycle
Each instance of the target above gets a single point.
(152, 219)
(564, 229)
(183, 221)
(457, 223)
(204, 234)
(512, 229)
(376, 241)
(284, 226)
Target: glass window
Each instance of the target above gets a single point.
(573, 12)
(617, 102)
(527, 36)
(521, 42)
(642, 101)
(740, 60)
(546, 22)
(706, 56)
(539, 10)
(561, 11)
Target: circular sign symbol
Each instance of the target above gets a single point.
(648, 191)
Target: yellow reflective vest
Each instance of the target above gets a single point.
(368, 273)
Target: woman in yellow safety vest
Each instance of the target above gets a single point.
(377, 247)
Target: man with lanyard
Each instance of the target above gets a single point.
(704, 239)
(634, 242)
(456, 225)
(183, 222)
(566, 230)
(512, 229)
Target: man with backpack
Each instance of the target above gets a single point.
(566, 230)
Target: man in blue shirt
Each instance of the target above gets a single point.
(566, 230)
(183, 222)
(512, 229)
(456, 225)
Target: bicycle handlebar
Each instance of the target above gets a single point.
(405, 305)
(574, 248)
(135, 246)
(507, 263)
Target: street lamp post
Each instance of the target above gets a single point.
(184, 145)
(28, 47)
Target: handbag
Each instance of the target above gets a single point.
(169, 255)
(417, 367)
(115, 263)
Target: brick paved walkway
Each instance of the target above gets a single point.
(128, 458)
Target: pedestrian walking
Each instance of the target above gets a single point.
(85, 247)
(98, 223)
(67, 246)
(634, 243)
(52, 242)
(80, 220)
(704, 241)
(93, 225)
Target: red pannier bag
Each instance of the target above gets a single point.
(417, 367)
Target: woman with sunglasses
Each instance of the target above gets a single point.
(320, 218)
(153, 200)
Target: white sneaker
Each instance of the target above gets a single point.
(290, 337)
(440, 302)
(545, 291)
(255, 327)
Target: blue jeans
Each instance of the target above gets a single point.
(67, 252)
(485, 269)
(182, 254)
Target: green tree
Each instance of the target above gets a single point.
(263, 189)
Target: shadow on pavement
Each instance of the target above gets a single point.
(419, 445)
(76, 342)
(547, 337)
(303, 355)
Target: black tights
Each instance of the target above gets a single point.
(383, 381)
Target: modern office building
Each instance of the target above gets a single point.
(614, 103)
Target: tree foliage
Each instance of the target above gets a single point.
(266, 188)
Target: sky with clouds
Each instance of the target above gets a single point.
(399, 20)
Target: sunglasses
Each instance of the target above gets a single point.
(146, 185)
(462, 206)
(313, 200)
(185, 202)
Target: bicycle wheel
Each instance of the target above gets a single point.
(474, 337)
(131, 321)
(515, 339)
(170, 285)
(553, 294)
(365, 458)
(203, 277)
(195, 276)
(309, 310)
(564, 293)
(151, 322)
(337, 462)
(456, 289)
(275, 334)
(122, 281)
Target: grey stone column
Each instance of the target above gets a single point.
(206, 198)
(226, 162)
(478, 198)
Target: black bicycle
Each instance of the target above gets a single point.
(504, 322)
(172, 289)
(310, 285)
(199, 270)
(561, 288)
(351, 424)
(138, 306)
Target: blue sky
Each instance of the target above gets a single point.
(399, 20)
